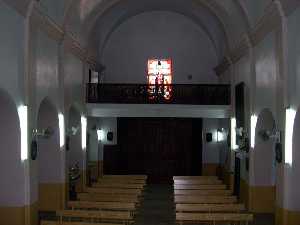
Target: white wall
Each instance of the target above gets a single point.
(11, 83)
(12, 50)
(162, 35)
(213, 152)
(292, 201)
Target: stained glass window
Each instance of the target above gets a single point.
(160, 78)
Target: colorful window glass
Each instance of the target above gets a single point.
(160, 78)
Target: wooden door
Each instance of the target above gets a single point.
(160, 147)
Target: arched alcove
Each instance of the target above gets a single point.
(49, 158)
(11, 166)
(263, 190)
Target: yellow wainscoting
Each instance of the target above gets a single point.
(12, 215)
(262, 199)
(31, 216)
(210, 169)
(51, 196)
(80, 184)
(244, 192)
(100, 168)
(229, 180)
(287, 217)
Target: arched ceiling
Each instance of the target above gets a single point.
(92, 21)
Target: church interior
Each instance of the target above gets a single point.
(149, 112)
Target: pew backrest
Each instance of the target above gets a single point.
(122, 206)
(119, 185)
(210, 207)
(195, 178)
(113, 191)
(100, 215)
(112, 198)
(199, 187)
(199, 182)
(204, 199)
(203, 192)
(120, 181)
(137, 177)
(48, 222)
(215, 217)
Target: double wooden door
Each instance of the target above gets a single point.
(158, 147)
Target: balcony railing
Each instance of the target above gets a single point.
(187, 94)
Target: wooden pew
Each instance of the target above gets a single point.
(210, 207)
(203, 192)
(121, 181)
(107, 198)
(113, 191)
(100, 195)
(96, 216)
(119, 206)
(199, 187)
(137, 177)
(188, 199)
(195, 178)
(182, 218)
(48, 222)
(197, 182)
(119, 185)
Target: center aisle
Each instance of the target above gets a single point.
(157, 207)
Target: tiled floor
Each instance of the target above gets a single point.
(158, 208)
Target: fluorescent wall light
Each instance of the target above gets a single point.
(289, 126)
(83, 132)
(234, 146)
(23, 117)
(253, 127)
(100, 134)
(61, 122)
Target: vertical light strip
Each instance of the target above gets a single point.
(289, 126)
(61, 122)
(233, 134)
(23, 117)
(253, 128)
(83, 132)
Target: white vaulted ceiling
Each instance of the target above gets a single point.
(93, 21)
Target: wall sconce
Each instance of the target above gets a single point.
(44, 133)
(290, 115)
(100, 134)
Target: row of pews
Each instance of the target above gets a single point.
(113, 200)
(205, 199)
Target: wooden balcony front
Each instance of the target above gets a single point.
(185, 94)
